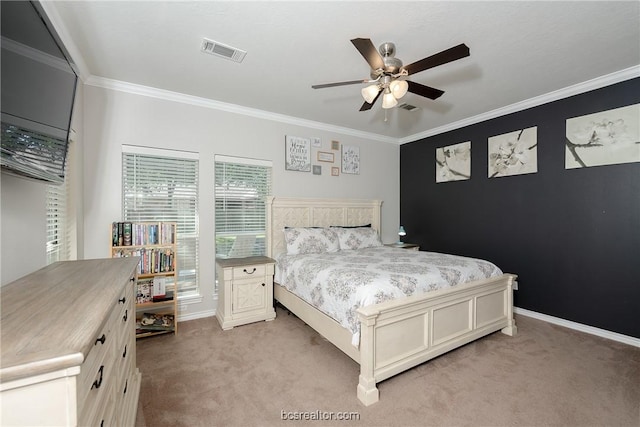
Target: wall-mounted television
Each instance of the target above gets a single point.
(38, 91)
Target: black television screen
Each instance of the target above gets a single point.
(38, 90)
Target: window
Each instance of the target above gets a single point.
(56, 223)
(162, 185)
(241, 186)
(59, 244)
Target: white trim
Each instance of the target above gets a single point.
(198, 315)
(161, 152)
(596, 83)
(242, 160)
(231, 108)
(625, 339)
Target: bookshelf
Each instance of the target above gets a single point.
(156, 293)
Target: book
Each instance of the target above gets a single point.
(127, 234)
(166, 297)
(144, 291)
(156, 322)
(159, 287)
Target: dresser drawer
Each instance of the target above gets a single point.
(101, 353)
(249, 272)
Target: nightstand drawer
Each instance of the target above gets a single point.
(249, 271)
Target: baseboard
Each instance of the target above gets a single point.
(625, 339)
(198, 315)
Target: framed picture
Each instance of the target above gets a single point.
(350, 159)
(513, 153)
(605, 138)
(317, 142)
(453, 162)
(335, 171)
(297, 154)
(317, 170)
(324, 156)
(335, 145)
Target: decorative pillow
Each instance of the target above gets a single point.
(357, 238)
(310, 240)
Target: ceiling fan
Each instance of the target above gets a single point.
(387, 73)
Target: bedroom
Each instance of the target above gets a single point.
(111, 113)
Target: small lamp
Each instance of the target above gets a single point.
(401, 234)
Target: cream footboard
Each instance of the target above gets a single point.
(400, 334)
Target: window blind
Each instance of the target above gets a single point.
(58, 233)
(241, 187)
(162, 185)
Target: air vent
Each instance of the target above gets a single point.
(222, 50)
(407, 107)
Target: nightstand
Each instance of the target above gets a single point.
(245, 289)
(411, 246)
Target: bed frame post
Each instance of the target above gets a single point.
(511, 328)
(367, 391)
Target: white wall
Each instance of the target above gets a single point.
(113, 118)
(23, 227)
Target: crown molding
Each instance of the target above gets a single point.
(230, 108)
(596, 83)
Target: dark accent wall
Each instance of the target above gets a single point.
(571, 235)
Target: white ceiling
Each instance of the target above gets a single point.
(519, 50)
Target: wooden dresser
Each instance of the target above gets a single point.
(68, 345)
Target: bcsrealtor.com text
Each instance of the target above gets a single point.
(319, 415)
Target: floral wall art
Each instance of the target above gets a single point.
(350, 159)
(604, 138)
(453, 162)
(514, 153)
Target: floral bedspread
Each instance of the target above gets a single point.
(338, 283)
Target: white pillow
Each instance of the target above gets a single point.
(358, 238)
(307, 240)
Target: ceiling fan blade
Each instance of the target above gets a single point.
(366, 106)
(452, 54)
(351, 82)
(426, 91)
(369, 52)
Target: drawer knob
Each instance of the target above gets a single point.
(97, 383)
(264, 284)
(100, 340)
(124, 354)
(126, 316)
(122, 300)
(250, 272)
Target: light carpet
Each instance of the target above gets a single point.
(258, 374)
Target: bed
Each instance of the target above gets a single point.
(396, 334)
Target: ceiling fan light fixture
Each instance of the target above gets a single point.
(370, 92)
(388, 100)
(399, 88)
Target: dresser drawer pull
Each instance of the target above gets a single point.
(252, 271)
(126, 315)
(122, 300)
(126, 384)
(264, 284)
(133, 279)
(102, 423)
(97, 383)
(124, 354)
(100, 340)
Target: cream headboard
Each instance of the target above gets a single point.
(301, 212)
